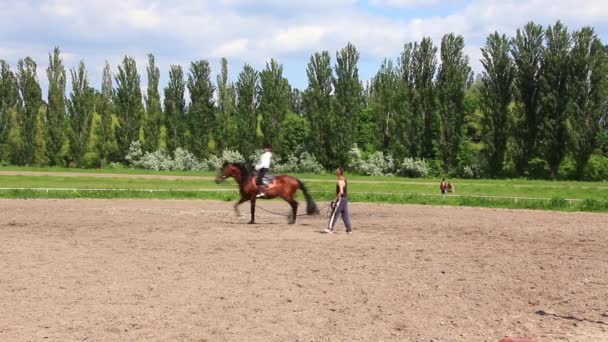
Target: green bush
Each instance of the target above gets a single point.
(183, 160)
(558, 203)
(594, 205)
(470, 171)
(538, 168)
(159, 160)
(306, 163)
(469, 160)
(435, 167)
(116, 166)
(567, 169)
(596, 169)
(286, 166)
(293, 133)
(414, 168)
(214, 163)
(134, 154)
(91, 160)
(376, 164)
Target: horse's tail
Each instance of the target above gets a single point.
(311, 207)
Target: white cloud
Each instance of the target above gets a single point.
(292, 5)
(11, 52)
(298, 38)
(231, 49)
(404, 3)
(60, 8)
(143, 18)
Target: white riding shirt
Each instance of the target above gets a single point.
(264, 161)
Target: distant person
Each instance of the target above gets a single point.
(340, 204)
(450, 188)
(443, 186)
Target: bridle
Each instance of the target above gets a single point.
(223, 177)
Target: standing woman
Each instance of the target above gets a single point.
(340, 204)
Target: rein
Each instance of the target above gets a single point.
(279, 214)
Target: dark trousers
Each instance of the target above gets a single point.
(261, 173)
(342, 210)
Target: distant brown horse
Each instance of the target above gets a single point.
(281, 186)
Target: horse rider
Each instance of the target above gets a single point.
(262, 169)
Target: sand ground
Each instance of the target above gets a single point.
(152, 270)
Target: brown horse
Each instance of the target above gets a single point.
(282, 186)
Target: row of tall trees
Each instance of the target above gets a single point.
(546, 92)
(542, 96)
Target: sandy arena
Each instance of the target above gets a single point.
(147, 270)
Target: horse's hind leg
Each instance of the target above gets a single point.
(294, 210)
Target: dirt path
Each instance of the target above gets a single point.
(100, 175)
(126, 270)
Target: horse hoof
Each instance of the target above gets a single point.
(292, 222)
(251, 222)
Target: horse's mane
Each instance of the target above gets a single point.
(244, 170)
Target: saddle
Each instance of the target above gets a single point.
(266, 180)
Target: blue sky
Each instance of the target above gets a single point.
(180, 31)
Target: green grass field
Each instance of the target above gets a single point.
(570, 196)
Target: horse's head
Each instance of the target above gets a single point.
(228, 170)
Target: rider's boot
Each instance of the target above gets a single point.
(261, 189)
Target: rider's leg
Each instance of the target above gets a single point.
(260, 182)
(260, 178)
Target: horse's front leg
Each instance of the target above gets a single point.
(236, 206)
(252, 211)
